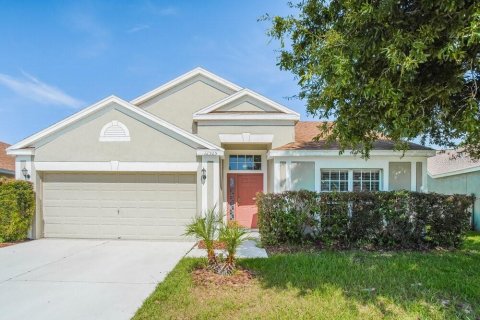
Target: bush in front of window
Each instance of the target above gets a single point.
(17, 207)
(391, 220)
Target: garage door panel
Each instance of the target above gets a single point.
(134, 222)
(151, 232)
(80, 212)
(187, 178)
(129, 206)
(156, 213)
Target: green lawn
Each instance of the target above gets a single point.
(332, 285)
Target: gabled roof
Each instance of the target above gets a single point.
(306, 131)
(7, 163)
(184, 78)
(280, 112)
(451, 162)
(102, 104)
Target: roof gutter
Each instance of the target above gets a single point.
(347, 153)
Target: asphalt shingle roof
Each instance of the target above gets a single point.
(306, 131)
(6, 162)
(450, 161)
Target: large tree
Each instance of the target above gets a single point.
(398, 68)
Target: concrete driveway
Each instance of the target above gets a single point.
(82, 279)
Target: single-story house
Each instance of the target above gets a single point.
(7, 163)
(454, 172)
(142, 169)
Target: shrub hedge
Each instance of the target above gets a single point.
(394, 219)
(17, 207)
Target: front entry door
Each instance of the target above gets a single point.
(242, 189)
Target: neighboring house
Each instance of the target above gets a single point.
(451, 172)
(142, 169)
(7, 163)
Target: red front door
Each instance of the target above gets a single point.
(242, 189)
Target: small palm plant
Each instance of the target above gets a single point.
(206, 229)
(232, 235)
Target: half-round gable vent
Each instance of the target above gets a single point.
(114, 131)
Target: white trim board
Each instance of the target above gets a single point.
(21, 152)
(104, 103)
(246, 117)
(245, 138)
(183, 78)
(203, 113)
(117, 166)
(347, 153)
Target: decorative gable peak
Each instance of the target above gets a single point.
(191, 76)
(246, 104)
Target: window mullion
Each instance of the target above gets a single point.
(350, 180)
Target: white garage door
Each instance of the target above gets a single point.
(118, 206)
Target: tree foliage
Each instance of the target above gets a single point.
(400, 68)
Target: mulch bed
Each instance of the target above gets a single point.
(7, 244)
(206, 278)
(216, 245)
(285, 248)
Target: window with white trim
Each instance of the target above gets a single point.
(114, 131)
(342, 180)
(245, 162)
(334, 180)
(366, 180)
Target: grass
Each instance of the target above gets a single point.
(332, 285)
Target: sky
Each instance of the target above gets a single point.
(57, 57)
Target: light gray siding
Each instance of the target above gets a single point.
(468, 183)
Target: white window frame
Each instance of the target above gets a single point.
(246, 154)
(339, 180)
(361, 178)
(350, 177)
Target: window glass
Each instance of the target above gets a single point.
(334, 180)
(245, 162)
(366, 180)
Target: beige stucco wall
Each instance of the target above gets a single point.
(283, 134)
(81, 143)
(242, 107)
(178, 107)
(247, 104)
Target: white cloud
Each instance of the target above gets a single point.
(33, 89)
(169, 11)
(138, 28)
(154, 9)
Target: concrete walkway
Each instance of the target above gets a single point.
(82, 279)
(248, 249)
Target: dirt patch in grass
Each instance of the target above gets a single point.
(203, 277)
(318, 247)
(216, 245)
